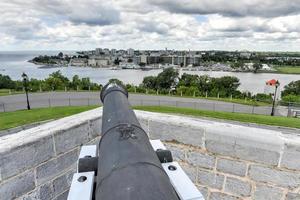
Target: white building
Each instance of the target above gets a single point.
(130, 52)
(80, 62)
(98, 62)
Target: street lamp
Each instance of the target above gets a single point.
(274, 99)
(25, 84)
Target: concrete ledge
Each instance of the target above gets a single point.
(224, 160)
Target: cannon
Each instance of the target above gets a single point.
(125, 164)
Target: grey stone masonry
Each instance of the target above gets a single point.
(238, 187)
(210, 179)
(17, 186)
(232, 167)
(293, 196)
(264, 192)
(201, 160)
(274, 176)
(291, 156)
(38, 163)
(225, 161)
(26, 156)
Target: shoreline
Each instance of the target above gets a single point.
(49, 66)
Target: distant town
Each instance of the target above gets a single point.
(235, 61)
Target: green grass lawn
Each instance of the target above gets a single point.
(5, 92)
(238, 101)
(288, 69)
(22, 117)
(258, 119)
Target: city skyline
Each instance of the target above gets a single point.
(150, 24)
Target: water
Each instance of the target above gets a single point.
(15, 63)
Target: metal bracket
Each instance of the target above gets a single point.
(82, 186)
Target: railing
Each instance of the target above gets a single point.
(200, 105)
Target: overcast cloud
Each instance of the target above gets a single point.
(150, 24)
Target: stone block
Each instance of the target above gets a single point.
(190, 171)
(232, 167)
(210, 179)
(201, 160)
(66, 140)
(244, 145)
(230, 148)
(237, 187)
(264, 192)
(257, 154)
(56, 166)
(62, 196)
(17, 186)
(292, 196)
(178, 154)
(26, 156)
(95, 128)
(63, 182)
(43, 192)
(291, 156)
(182, 134)
(204, 191)
(222, 196)
(278, 177)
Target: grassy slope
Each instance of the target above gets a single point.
(258, 119)
(18, 118)
(288, 69)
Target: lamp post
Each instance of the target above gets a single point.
(25, 84)
(274, 99)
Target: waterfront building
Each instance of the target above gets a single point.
(130, 52)
(80, 62)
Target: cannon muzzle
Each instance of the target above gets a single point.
(128, 167)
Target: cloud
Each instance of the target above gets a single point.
(233, 8)
(150, 24)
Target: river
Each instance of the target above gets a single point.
(14, 63)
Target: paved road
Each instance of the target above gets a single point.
(47, 99)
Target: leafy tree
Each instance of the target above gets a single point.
(76, 82)
(189, 80)
(150, 82)
(117, 81)
(60, 54)
(293, 88)
(256, 67)
(117, 61)
(167, 79)
(6, 82)
(56, 81)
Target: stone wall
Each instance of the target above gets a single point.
(39, 163)
(225, 161)
(231, 162)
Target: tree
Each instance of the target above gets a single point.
(256, 67)
(167, 79)
(293, 88)
(76, 82)
(6, 82)
(117, 81)
(117, 61)
(61, 55)
(150, 82)
(56, 81)
(188, 80)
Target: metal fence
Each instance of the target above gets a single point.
(198, 105)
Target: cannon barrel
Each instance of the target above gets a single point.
(128, 167)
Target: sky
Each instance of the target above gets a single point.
(255, 25)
